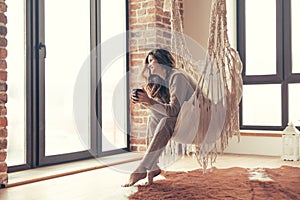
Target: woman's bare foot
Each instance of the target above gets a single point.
(151, 174)
(135, 176)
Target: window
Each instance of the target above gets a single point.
(268, 46)
(16, 61)
(113, 75)
(60, 98)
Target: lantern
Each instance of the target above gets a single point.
(290, 143)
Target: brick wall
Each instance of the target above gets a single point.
(3, 94)
(149, 28)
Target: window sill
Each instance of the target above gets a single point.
(49, 172)
(260, 133)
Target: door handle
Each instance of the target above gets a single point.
(43, 46)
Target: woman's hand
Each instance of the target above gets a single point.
(142, 97)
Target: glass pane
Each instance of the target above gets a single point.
(113, 66)
(294, 106)
(295, 36)
(16, 81)
(260, 37)
(67, 37)
(262, 105)
(231, 21)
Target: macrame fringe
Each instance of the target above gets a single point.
(224, 62)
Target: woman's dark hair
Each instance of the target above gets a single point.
(157, 89)
(163, 57)
(156, 86)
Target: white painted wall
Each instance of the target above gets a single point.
(197, 16)
(196, 20)
(269, 146)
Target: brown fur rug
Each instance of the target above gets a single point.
(233, 183)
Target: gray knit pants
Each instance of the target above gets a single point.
(162, 135)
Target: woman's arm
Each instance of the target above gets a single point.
(179, 90)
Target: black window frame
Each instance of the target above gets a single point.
(284, 75)
(33, 138)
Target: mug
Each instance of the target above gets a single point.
(135, 91)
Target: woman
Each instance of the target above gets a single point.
(166, 90)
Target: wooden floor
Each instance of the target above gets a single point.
(105, 183)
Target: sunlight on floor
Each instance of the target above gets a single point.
(106, 183)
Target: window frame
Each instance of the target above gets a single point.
(284, 75)
(34, 140)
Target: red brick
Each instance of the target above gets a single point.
(3, 7)
(141, 12)
(139, 113)
(3, 87)
(134, 1)
(3, 144)
(151, 25)
(133, 148)
(3, 18)
(3, 53)
(137, 141)
(142, 41)
(3, 76)
(3, 121)
(136, 63)
(3, 30)
(3, 156)
(142, 133)
(134, 132)
(151, 11)
(149, 4)
(137, 120)
(135, 6)
(146, 19)
(3, 111)
(3, 42)
(132, 13)
(3, 179)
(133, 20)
(3, 64)
(142, 148)
(138, 26)
(159, 18)
(162, 25)
(3, 132)
(3, 97)
(166, 21)
(138, 56)
(3, 167)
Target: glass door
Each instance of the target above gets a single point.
(16, 62)
(114, 103)
(67, 89)
(64, 46)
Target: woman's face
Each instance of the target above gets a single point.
(154, 66)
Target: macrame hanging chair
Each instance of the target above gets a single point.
(219, 86)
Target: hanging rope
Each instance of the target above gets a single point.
(219, 83)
